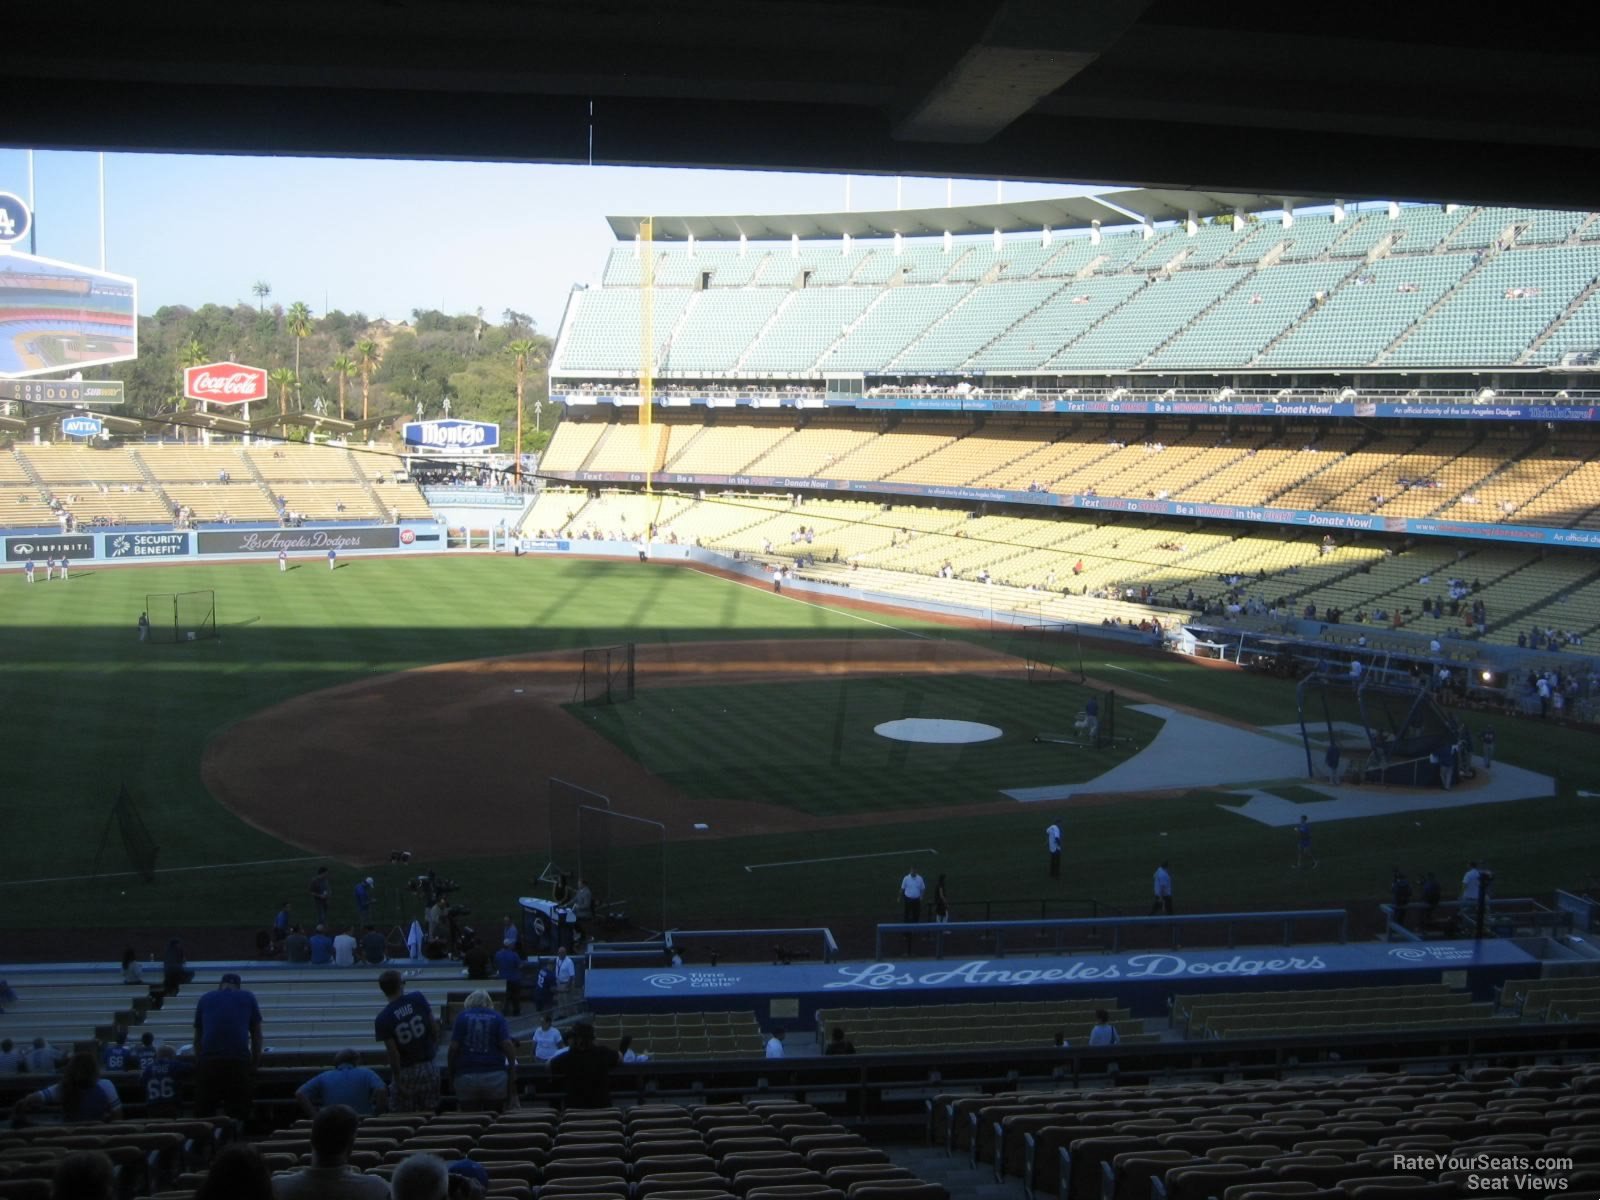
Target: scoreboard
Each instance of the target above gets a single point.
(62, 391)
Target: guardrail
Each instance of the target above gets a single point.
(774, 949)
(1513, 916)
(1062, 928)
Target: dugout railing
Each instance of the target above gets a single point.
(800, 944)
(1102, 933)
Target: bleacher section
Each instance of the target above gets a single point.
(1326, 1010)
(686, 1035)
(1416, 289)
(971, 1026)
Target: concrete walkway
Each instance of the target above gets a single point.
(1193, 752)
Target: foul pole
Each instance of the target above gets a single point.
(647, 349)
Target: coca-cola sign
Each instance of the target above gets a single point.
(225, 383)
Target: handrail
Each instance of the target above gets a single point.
(940, 932)
(648, 948)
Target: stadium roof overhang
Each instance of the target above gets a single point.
(1067, 212)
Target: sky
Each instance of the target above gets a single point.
(385, 237)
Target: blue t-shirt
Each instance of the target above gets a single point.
(160, 1082)
(117, 1058)
(509, 963)
(363, 896)
(408, 1022)
(345, 1084)
(94, 1103)
(321, 948)
(225, 1017)
(479, 1032)
(281, 923)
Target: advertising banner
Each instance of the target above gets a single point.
(82, 427)
(225, 383)
(452, 435)
(297, 541)
(50, 545)
(143, 545)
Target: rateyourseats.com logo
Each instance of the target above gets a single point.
(692, 981)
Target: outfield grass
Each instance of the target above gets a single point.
(86, 707)
(812, 746)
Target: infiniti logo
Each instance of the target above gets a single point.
(665, 982)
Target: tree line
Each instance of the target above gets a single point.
(345, 363)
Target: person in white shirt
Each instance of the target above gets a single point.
(1163, 891)
(911, 889)
(629, 1054)
(546, 1040)
(1052, 837)
(1103, 1033)
(1470, 883)
(566, 971)
(344, 949)
(775, 1043)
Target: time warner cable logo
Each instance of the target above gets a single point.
(665, 982)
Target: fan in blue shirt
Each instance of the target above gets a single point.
(348, 1083)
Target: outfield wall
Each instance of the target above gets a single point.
(220, 542)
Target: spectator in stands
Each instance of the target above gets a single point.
(238, 1172)
(297, 947)
(173, 970)
(547, 1040)
(838, 1043)
(43, 1058)
(1400, 894)
(585, 1070)
(130, 967)
(344, 948)
(420, 1177)
(481, 1051)
(330, 1175)
(11, 1059)
(81, 1094)
(160, 1080)
(626, 1051)
(544, 986)
(227, 1041)
(115, 1055)
(374, 949)
(941, 903)
(347, 1083)
(83, 1175)
(410, 1034)
(566, 970)
(280, 925)
(1431, 893)
(364, 891)
(508, 966)
(1103, 1032)
(775, 1042)
(321, 947)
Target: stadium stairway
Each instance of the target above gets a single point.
(1484, 259)
(1555, 326)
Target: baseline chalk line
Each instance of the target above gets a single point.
(806, 862)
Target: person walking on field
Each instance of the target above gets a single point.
(1302, 833)
(1052, 837)
(1163, 891)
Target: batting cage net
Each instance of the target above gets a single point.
(181, 616)
(1050, 653)
(1369, 731)
(564, 800)
(1089, 720)
(133, 834)
(607, 676)
(623, 859)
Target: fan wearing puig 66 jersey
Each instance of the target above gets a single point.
(410, 1033)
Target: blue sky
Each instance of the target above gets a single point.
(385, 237)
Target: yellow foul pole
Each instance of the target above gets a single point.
(647, 349)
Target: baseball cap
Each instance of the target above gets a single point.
(233, 978)
(369, 882)
(472, 1170)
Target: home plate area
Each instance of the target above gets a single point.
(1192, 751)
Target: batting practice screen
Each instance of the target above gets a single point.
(607, 676)
(182, 616)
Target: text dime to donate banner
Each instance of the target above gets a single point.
(225, 383)
(144, 545)
(70, 545)
(297, 541)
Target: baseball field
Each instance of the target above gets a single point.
(421, 704)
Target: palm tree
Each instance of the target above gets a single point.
(262, 290)
(283, 379)
(524, 349)
(192, 355)
(298, 322)
(343, 369)
(366, 362)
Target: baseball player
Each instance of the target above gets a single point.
(63, 568)
(283, 560)
(49, 568)
(333, 558)
(27, 570)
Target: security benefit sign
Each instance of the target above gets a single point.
(452, 435)
(69, 545)
(298, 541)
(143, 545)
